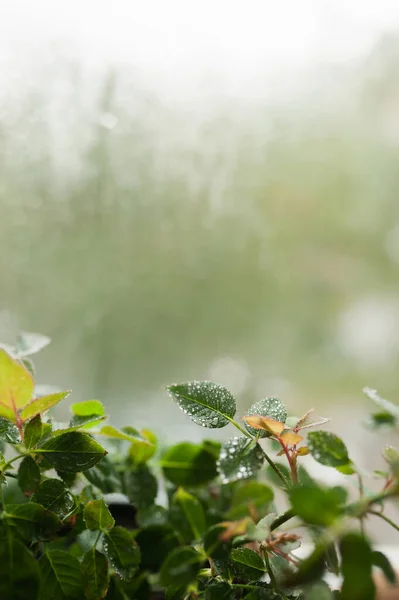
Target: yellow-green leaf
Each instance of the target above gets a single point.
(16, 386)
(40, 405)
(114, 433)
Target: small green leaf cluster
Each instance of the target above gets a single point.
(195, 520)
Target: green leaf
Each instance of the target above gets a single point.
(187, 464)
(269, 407)
(72, 452)
(29, 366)
(31, 343)
(88, 408)
(247, 564)
(319, 591)
(155, 543)
(317, 505)
(206, 403)
(193, 511)
(97, 516)
(32, 520)
(386, 405)
(95, 575)
(356, 568)
(54, 495)
(40, 405)
(85, 422)
(152, 515)
(217, 549)
(33, 432)
(328, 449)
(104, 477)
(141, 486)
(239, 458)
(28, 475)
(16, 386)
(122, 552)
(274, 478)
(391, 456)
(181, 567)
(9, 432)
(140, 452)
(61, 576)
(220, 590)
(379, 560)
(19, 571)
(111, 432)
(80, 423)
(250, 494)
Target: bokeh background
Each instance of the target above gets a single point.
(203, 190)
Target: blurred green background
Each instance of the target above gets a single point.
(252, 242)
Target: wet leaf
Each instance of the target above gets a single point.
(220, 590)
(16, 386)
(72, 452)
(97, 516)
(188, 465)
(181, 567)
(356, 556)
(240, 458)
(122, 552)
(88, 408)
(31, 343)
(19, 570)
(32, 520)
(54, 495)
(328, 449)
(9, 432)
(272, 408)
(28, 475)
(141, 486)
(95, 575)
(77, 423)
(206, 403)
(40, 405)
(193, 511)
(33, 432)
(104, 477)
(61, 576)
(247, 564)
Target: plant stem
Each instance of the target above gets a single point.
(270, 571)
(238, 426)
(283, 518)
(274, 467)
(8, 463)
(384, 518)
(269, 460)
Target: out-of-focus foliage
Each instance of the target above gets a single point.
(154, 241)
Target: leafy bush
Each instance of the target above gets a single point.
(218, 535)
